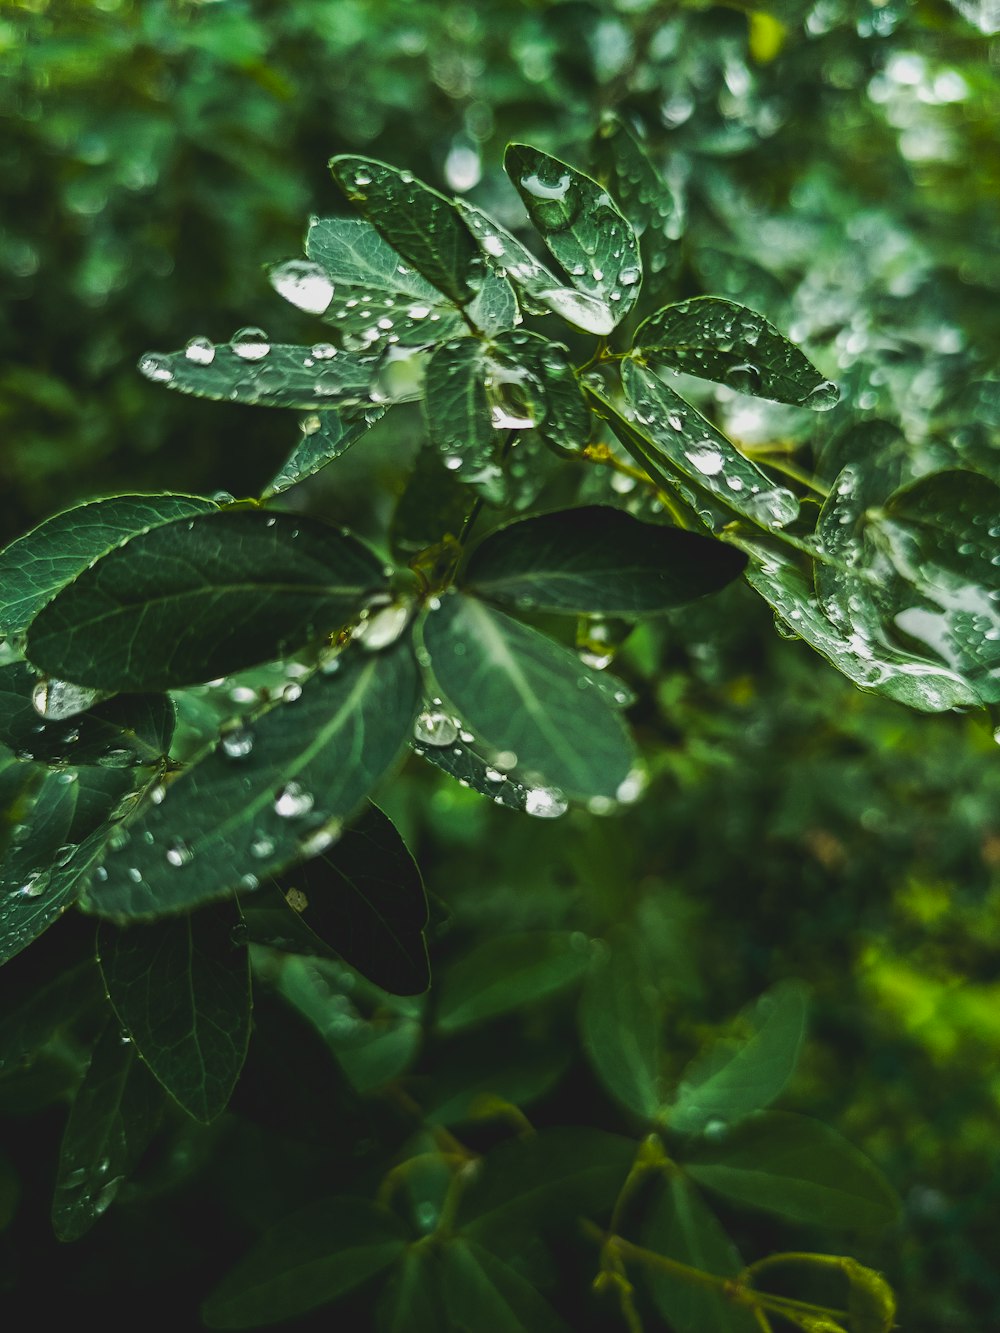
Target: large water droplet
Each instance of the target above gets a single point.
(237, 744)
(57, 699)
(585, 312)
(293, 801)
(776, 507)
(303, 284)
(201, 351)
(744, 377)
(706, 459)
(155, 368)
(251, 344)
(383, 627)
(433, 727)
(823, 397)
(545, 802)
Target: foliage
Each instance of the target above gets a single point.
(201, 698)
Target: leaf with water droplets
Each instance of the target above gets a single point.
(481, 1291)
(559, 409)
(361, 898)
(114, 1115)
(198, 598)
(521, 692)
(371, 282)
(582, 227)
(869, 664)
(797, 1168)
(503, 250)
(651, 206)
(121, 732)
(37, 565)
(600, 560)
(734, 1078)
(719, 340)
(457, 411)
(620, 1018)
(507, 973)
(181, 989)
(421, 224)
(693, 446)
(680, 1226)
(63, 832)
(325, 436)
(274, 375)
(241, 814)
(461, 762)
(494, 307)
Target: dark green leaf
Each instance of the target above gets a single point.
(494, 307)
(308, 1260)
(198, 598)
(433, 505)
(507, 973)
(719, 340)
(37, 565)
(600, 560)
(52, 1005)
(325, 436)
(620, 1025)
(421, 224)
(583, 228)
(691, 444)
(549, 385)
(113, 1117)
(410, 1302)
(480, 1291)
(252, 370)
(181, 989)
(528, 696)
(120, 733)
(62, 835)
(266, 796)
(457, 410)
(473, 1078)
(461, 762)
(650, 205)
(799, 1169)
(732, 1079)
(364, 899)
(534, 281)
(680, 1226)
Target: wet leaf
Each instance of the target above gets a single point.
(181, 989)
(528, 696)
(325, 436)
(196, 599)
(650, 205)
(410, 1301)
(457, 410)
(550, 386)
(461, 762)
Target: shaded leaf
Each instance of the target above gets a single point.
(507, 973)
(524, 694)
(651, 206)
(37, 565)
(457, 410)
(732, 1079)
(620, 1025)
(307, 1260)
(691, 444)
(263, 796)
(196, 599)
(559, 408)
(460, 761)
(799, 1169)
(598, 559)
(114, 1115)
(52, 1005)
(719, 340)
(410, 1301)
(181, 989)
(681, 1226)
(472, 1079)
(582, 228)
(480, 1290)
(433, 505)
(325, 436)
(421, 224)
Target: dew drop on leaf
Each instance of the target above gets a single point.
(433, 727)
(545, 803)
(250, 344)
(293, 801)
(304, 285)
(200, 351)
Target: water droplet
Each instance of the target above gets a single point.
(744, 377)
(585, 312)
(545, 189)
(237, 744)
(776, 507)
(303, 284)
(628, 277)
(545, 803)
(494, 775)
(823, 397)
(631, 788)
(57, 699)
(200, 350)
(116, 759)
(34, 885)
(317, 841)
(250, 344)
(323, 351)
(291, 692)
(708, 461)
(261, 846)
(435, 728)
(155, 368)
(293, 801)
(179, 853)
(383, 627)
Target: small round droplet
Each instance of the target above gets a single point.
(201, 351)
(179, 853)
(433, 727)
(237, 744)
(251, 344)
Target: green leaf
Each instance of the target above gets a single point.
(695, 448)
(201, 597)
(799, 1169)
(433, 505)
(457, 410)
(524, 694)
(114, 1115)
(252, 370)
(325, 436)
(364, 899)
(620, 1025)
(475, 1077)
(719, 340)
(54, 1004)
(267, 795)
(534, 281)
(421, 224)
(371, 282)
(732, 1079)
(600, 560)
(461, 762)
(494, 307)
(181, 989)
(307, 1260)
(37, 565)
(128, 730)
(410, 1301)
(63, 834)
(582, 228)
(550, 386)
(507, 973)
(480, 1291)
(879, 668)
(644, 197)
(681, 1226)
(555, 1175)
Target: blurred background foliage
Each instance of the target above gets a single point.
(832, 164)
